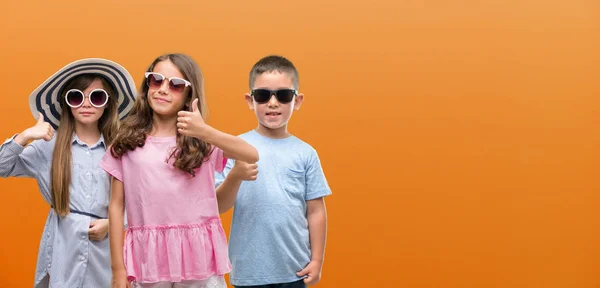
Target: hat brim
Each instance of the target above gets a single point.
(46, 98)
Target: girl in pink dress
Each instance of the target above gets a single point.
(163, 162)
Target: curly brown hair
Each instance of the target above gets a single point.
(190, 152)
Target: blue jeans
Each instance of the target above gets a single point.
(297, 284)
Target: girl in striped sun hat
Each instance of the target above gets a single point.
(83, 103)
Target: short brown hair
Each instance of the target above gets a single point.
(274, 63)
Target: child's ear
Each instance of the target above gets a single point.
(248, 98)
(298, 101)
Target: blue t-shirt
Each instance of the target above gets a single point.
(269, 239)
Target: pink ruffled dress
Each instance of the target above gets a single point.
(174, 232)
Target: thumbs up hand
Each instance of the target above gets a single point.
(192, 123)
(41, 130)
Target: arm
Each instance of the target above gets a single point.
(116, 210)
(192, 124)
(18, 160)
(317, 229)
(233, 147)
(316, 214)
(227, 191)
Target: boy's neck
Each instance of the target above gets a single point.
(163, 126)
(279, 133)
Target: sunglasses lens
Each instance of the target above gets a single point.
(154, 80)
(285, 95)
(98, 98)
(261, 95)
(74, 98)
(176, 85)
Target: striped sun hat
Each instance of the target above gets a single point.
(46, 98)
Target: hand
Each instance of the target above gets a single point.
(119, 280)
(313, 270)
(41, 130)
(244, 171)
(98, 230)
(192, 123)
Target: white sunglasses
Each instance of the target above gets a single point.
(176, 84)
(75, 98)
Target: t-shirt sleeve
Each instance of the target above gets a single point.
(220, 176)
(316, 183)
(112, 165)
(219, 159)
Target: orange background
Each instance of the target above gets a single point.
(460, 138)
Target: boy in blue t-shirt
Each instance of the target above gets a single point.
(279, 224)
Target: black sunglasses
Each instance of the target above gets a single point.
(284, 96)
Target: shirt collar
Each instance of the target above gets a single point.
(78, 141)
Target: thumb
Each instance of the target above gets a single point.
(302, 272)
(40, 118)
(92, 224)
(195, 105)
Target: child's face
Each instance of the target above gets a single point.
(88, 114)
(274, 115)
(163, 100)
